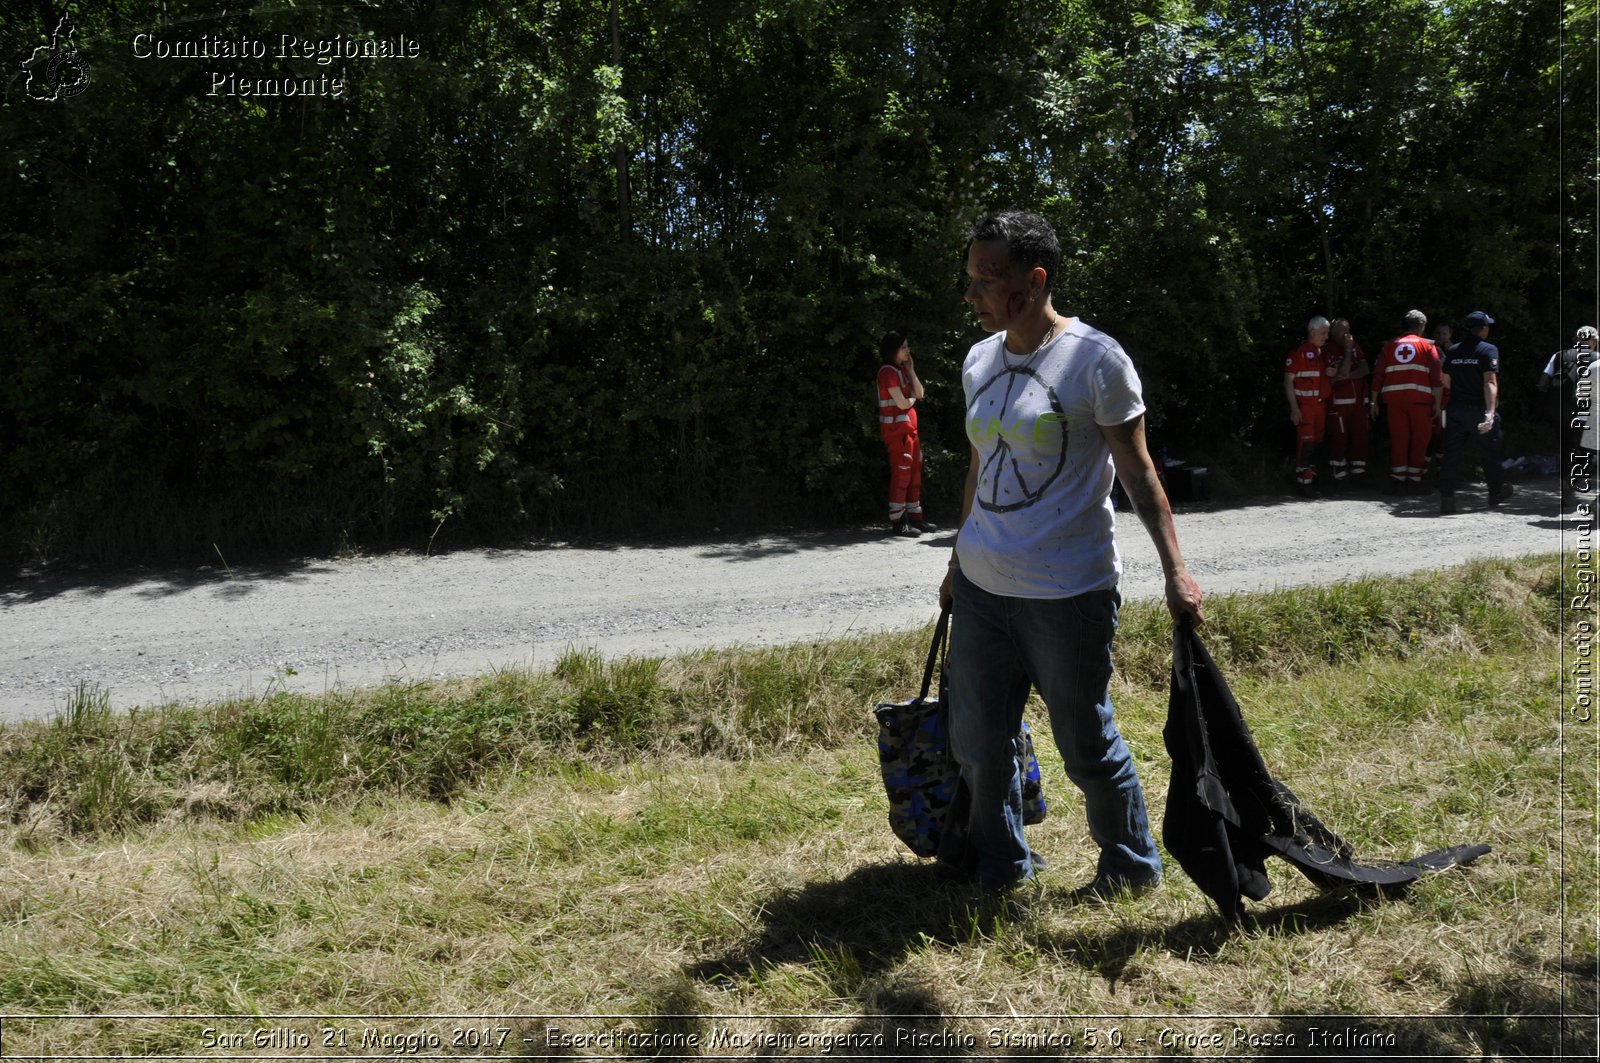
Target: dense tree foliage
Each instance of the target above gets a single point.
(613, 266)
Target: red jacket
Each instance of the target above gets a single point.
(1312, 371)
(890, 376)
(1407, 372)
(1353, 390)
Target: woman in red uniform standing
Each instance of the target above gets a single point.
(1347, 418)
(898, 392)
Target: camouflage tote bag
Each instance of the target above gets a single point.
(922, 778)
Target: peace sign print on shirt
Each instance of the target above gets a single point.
(1020, 415)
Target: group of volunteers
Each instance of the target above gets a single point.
(1433, 394)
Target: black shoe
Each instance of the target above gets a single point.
(1395, 488)
(924, 525)
(1036, 865)
(904, 530)
(1447, 505)
(1499, 494)
(1306, 490)
(1104, 891)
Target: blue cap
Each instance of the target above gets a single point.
(1478, 319)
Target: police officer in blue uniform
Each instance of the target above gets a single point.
(1472, 374)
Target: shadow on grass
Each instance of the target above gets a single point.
(1485, 1017)
(1543, 1011)
(868, 920)
(1108, 953)
(851, 934)
(865, 923)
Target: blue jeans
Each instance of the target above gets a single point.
(999, 648)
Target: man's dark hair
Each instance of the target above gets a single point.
(890, 346)
(1028, 238)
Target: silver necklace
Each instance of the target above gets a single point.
(1051, 331)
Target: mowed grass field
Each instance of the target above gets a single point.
(689, 857)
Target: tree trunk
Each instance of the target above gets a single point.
(624, 194)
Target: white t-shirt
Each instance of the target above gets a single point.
(1582, 407)
(1041, 524)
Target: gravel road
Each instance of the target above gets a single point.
(206, 633)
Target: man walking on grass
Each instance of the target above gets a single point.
(1053, 412)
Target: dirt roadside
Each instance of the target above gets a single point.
(150, 637)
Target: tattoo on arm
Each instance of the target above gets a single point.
(1150, 505)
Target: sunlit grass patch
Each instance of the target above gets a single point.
(693, 839)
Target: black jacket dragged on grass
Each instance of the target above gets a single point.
(1226, 813)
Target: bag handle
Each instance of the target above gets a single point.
(941, 639)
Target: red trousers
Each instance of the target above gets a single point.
(1308, 433)
(905, 471)
(1347, 438)
(1410, 428)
